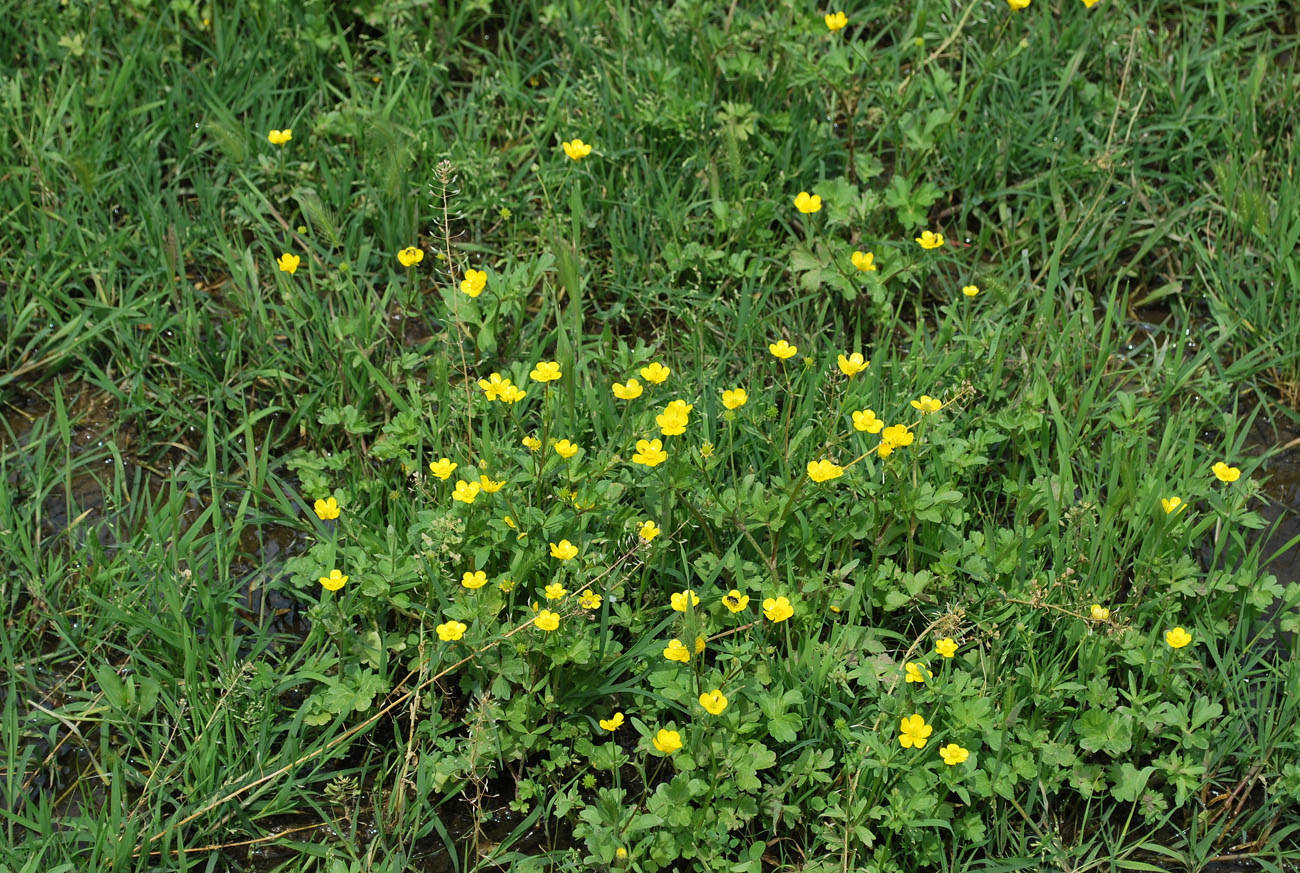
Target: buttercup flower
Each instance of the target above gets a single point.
(555, 591)
(564, 550)
(970, 290)
(821, 471)
(1224, 473)
(466, 491)
(510, 393)
(1090, 3)
(547, 620)
(565, 449)
(735, 398)
(288, 263)
(917, 672)
(545, 371)
(807, 203)
(532, 443)
(1173, 505)
(682, 599)
(630, 391)
(506, 586)
(947, 647)
(777, 610)
(576, 149)
(699, 645)
(589, 600)
(853, 364)
(953, 754)
(675, 417)
(473, 580)
(914, 732)
(655, 373)
(783, 350)
(442, 468)
(1099, 612)
(667, 741)
(612, 724)
(735, 601)
(865, 420)
(474, 282)
(1017, 5)
(927, 404)
(864, 261)
(928, 240)
(1176, 638)
(280, 137)
(410, 256)
(706, 450)
(677, 651)
(836, 21)
(326, 510)
(450, 631)
(648, 531)
(334, 581)
(490, 486)
(650, 453)
(713, 701)
(493, 385)
(893, 437)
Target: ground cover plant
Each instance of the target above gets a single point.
(574, 435)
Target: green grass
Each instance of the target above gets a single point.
(179, 693)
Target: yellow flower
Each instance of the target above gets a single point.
(547, 620)
(326, 510)
(917, 672)
(927, 404)
(836, 21)
(1099, 612)
(947, 647)
(564, 550)
(466, 491)
(677, 651)
(864, 261)
(565, 449)
(699, 645)
(630, 391)
(506, 586)
(612, 724)
(493, 385)
(777, 610)
(532, 443)
(706, 450)
(1177, 638)
(1224, 473)
(555, 591)
(473, 580)
(667, 741)
(1090, 3)
(576, 149)
(410, 256)
(675, 417)
(953, 754)
(914, 732)
(288, 263)
(450, 631)
(713, 701)
(474, 282)
(510, 393)
(970, 290)
(620, 853)
(280, 137)
(650, 453)
(807, 203)
(1173, 505)
(648, 531)
(334, 581)
(821, 471)
(682, 599)
(655, 372)
(735, 398)
(893, 437)
(589, 600)
(442, 468)
(929, 240)
(865, 420)
(853, 364)
(735, 601)
(490, 486)
(1017, 5)
(783, 350)
(545, 371)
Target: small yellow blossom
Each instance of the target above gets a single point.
(864, 261)
(667, 741)
(474, 282)
(821, 471)
(675, 417)
(893, 437)
(545, 371)
(576, 149)
(927, 404)
(1017, 5)
(511, 393)
(1099, 612)
(713, 701)
(288, 263)
(699, 645)
(473, 580)
(334, 581)
(928, 240)
(970, 290)
(1172, 505)
(865, 420)
(1090, 3)
(612, 724)
(450, 631)
(280, 137)
(682, 599)
(947, 647)
(555, 591)
(648, 530)
(506, 585)
(783, 350)
(565, 449)
(327, 510)
(735, 398)
(443, 467)
(953, 754)
(1177, 638)
(493, 385)
(655, 373)
(630, 391)
(677, 651)
(917, 672)
(490, 486)
(777, 610)
(547, 620)
(589, 600)
(410, 256)
(532, 443)
(853, 364)
(706, 450)
(1224, 473)
(466, 491)
(836, 21)
(735, 601)
(563, 550)
(914, 732)
(807, 203)
(650, 453)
